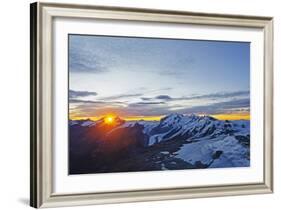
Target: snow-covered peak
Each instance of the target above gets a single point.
(73, 122)
(84, 123)
(174, 116)
(87, 123)
(171, 119)
(180, 119)
(206, 117)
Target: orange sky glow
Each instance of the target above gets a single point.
(238, 116)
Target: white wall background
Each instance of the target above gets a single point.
(14, 102)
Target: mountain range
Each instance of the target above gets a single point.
(175, 142)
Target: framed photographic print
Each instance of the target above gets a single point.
(138, 105)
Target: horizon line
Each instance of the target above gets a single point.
(239, 116)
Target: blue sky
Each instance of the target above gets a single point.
(150, 77)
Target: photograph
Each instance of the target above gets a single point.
(152, 104)
(131, 104)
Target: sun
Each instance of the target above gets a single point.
(109, 120)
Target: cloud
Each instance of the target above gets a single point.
(88, 55)
(213, 96)
(230, 102)
(146, 103)
(78, 101)
(89, 108)
(234, 103)
(85, 61)
(231, 106)
(98, 54)
(163, 97)
(221, 95)
(121, 96)
(78, 94)
(139, 93)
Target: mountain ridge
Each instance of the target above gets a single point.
(191, 141)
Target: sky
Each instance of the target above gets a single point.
(148, 78)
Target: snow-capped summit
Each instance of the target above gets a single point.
(193, 126)
(180, 119)
(173, 116)
(84, 123)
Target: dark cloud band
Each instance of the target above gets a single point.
(212, 96)
(78, 94)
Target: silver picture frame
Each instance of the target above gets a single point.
(41, 145)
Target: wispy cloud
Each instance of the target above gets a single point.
(234, 103)
(85, 56)
(146, 103)
(122, 96)
(78, 101)
(231, 106)
(138, 93)
(85, 61)
(156, 108)
(82, 102)
(78, 94)
(212, 96)
(221, 95)
(99, 54)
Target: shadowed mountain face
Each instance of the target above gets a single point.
(175, 142)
